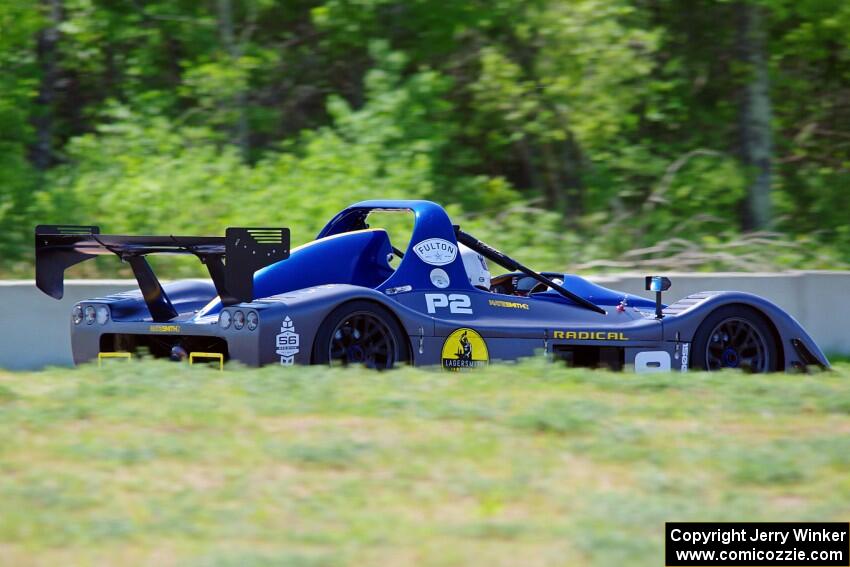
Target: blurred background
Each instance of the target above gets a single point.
(593, 136)
(589, 135)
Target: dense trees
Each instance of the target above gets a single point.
(587, 128)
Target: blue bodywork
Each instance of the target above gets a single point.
(349, 261)
(345, 252)
(430, 221)
(358, 258)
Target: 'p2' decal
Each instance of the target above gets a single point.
(457, 303)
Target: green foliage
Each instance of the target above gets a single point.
(201, 186)
(812, 77)
(18, 78)
(597, 134)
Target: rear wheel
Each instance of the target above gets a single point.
(735, 336)
(362, 333)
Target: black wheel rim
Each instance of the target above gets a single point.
(362, 338)
(736, 343)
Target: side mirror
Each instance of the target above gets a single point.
(658, 284)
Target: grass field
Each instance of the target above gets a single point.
(157, 464)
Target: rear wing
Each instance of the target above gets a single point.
(231, 260)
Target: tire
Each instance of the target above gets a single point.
(735, 336)
(363, 333)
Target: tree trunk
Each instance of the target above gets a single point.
(240, 102)
(528, 165)
(47, 48)
(552, 181)
(573, 183)
(755, 114)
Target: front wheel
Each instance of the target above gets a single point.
(735, 336)
(362, 333)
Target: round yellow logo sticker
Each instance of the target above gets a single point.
(464, 348)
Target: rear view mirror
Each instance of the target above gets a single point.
(657, 283)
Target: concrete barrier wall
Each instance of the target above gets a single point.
(35, 329)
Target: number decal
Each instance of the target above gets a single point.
(457, 303)
(652, 361)
(685, 356)
(460, 304)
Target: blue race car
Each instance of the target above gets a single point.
(351, 297)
